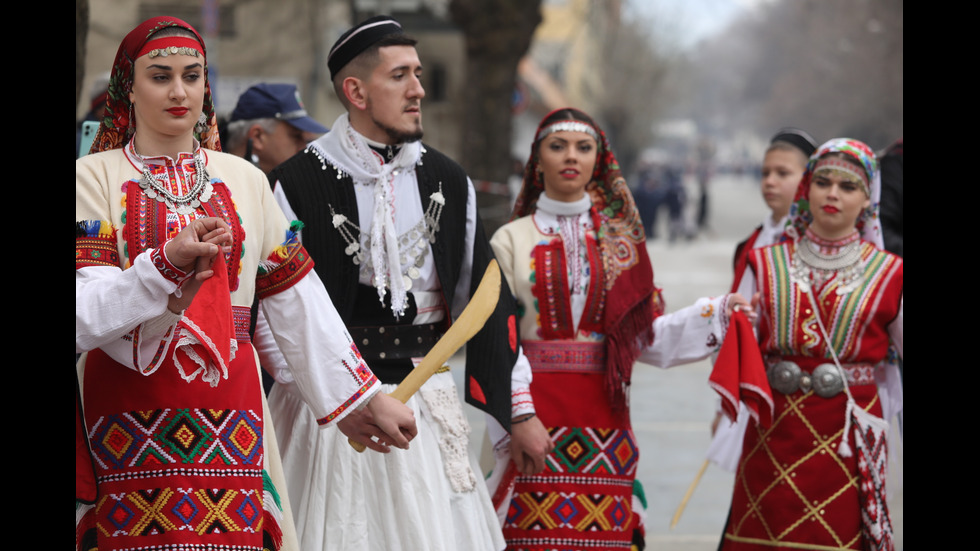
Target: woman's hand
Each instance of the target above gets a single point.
(194, 249)
(738, 303)
(530, 443)
(201, 238)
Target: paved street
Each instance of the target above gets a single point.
(672, 409)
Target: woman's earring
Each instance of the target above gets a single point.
(202, 123)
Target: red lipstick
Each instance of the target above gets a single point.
(830, 208)
(178, 111)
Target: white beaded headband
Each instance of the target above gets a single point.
(568, 126)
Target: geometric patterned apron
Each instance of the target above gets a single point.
(584, 497)
(177, 462)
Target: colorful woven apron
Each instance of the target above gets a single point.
(583, 498)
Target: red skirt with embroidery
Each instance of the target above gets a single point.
(177, 463)
(792, 489)
(583, 498)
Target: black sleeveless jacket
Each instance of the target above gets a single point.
(490, 355)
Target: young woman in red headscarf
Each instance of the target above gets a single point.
(831, 305)
(172, 453)
(576, 259)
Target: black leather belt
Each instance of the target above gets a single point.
(395, 342)
(388, 349)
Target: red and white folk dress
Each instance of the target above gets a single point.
(793, 490)
(584, 497)
(173, 408)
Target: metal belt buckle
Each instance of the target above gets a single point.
(827, 381)
(787, 377)
(784, 376)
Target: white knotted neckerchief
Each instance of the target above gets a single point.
(347, 150)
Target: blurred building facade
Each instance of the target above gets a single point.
(560, 69)
(252, 41)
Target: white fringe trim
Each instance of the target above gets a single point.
(210, 373)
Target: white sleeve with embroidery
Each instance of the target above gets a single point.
(318, 349)
(301, 340)
(270, 357)
(110, 303)
(687, 335)
(888, 376)
(896, 328)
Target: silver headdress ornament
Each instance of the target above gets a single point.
(568, 126)
(173, 50)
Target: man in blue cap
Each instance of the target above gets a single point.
(270, 125)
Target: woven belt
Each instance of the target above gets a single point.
(565, 356)
(786, 376)
(395, 342)
(242, 317)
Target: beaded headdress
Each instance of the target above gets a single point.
(844, 170)
(567, 126)
(118, 124)
(170, 45)
(868, 222)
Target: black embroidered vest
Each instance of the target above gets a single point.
(310, 189)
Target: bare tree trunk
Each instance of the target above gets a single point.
(498, 34)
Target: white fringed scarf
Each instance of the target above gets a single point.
(346, 149)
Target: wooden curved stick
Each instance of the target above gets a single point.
(687, 496)
(476, 313)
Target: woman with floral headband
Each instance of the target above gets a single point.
(575, 257)
(831, 302)
(171, 447)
